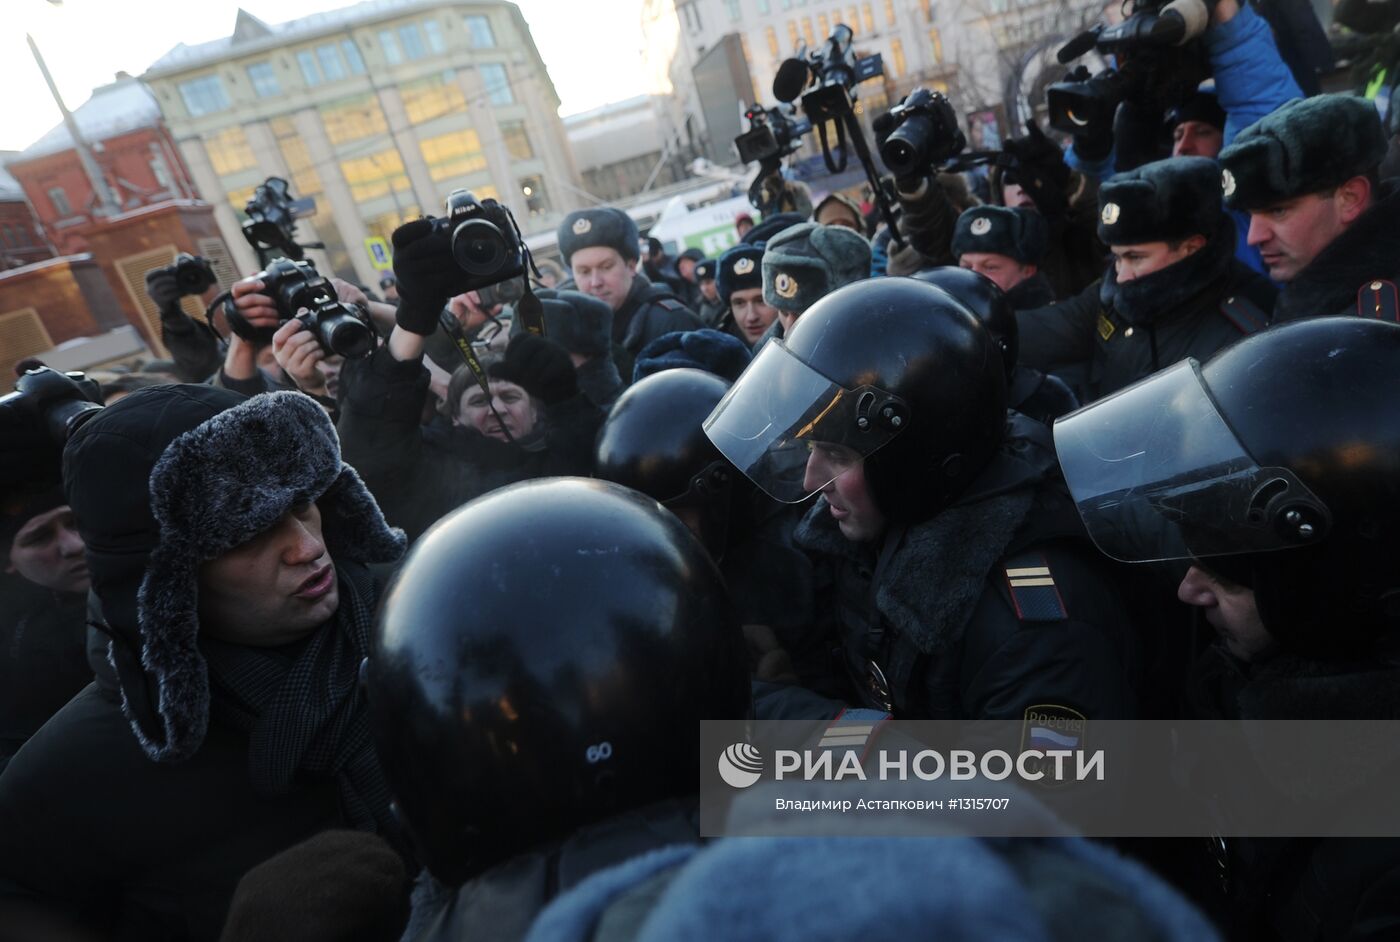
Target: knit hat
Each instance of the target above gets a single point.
(1162, 201)
(739, 268)
(1306, 146)
(173, 476)
(1201, 105)
(771, 226)
(605, 226)
(805, 263)
(999, 230)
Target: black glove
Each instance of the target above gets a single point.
(164, 291)
(426, 273)
(540, 367)
(1040, 169)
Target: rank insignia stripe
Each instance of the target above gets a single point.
(1031, 585)
(1106, 327)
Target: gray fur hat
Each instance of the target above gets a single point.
(804, 263)
(1000, 230)
(605, 226)
(217, 475)
(1306, 146)
(1161, 201)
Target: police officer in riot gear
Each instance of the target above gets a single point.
(1029, 391)
(953, 578)
(1272, 469)
(537, 681)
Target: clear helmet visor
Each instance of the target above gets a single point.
(1157, 473)
(781, 411)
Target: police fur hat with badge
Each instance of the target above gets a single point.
(173, 476)
(1000, 230)
(603, 226)
(806, 262)
(706, 268)
(1164, 201)
(1308, 145)
(739, 268)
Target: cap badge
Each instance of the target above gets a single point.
(981, 226)
(1110, 213)
(743, 266)
(582, 225)
(1227, 182)
(786, 286)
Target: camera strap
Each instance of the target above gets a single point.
(464, 347)
(530, 311)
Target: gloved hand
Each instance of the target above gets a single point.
(1040, 169)
(426, 272)
(540, 367)
(163, 291)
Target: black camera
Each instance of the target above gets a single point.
(193, 274)
(772, 135)
(833, 69)
(342, 329)
(272, 219)
(506, 292)
(919, 133)
(1158, 65)
(36, 420)
(486, 243)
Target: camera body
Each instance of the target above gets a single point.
(486, 243)
(342, 329)
(36, 419)
(193, 274)
(773, 134)
(919, 133)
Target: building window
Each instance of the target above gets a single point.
(479, 29)
(936, 40)
(770, 34)
(433, 31)
(927, 7)
(764, 8)
(160, 170)
(239, 198)
(309, 73)
(517, 141)
(807, 31)
(229, 151)
(306, 181)
(390, 46)
(853, 20)
(264, 80)
(822, 26)
(497, 84)
(353, 120)
(733, 6)
(331, 66)
(889, 12)
(352, 57)
(897, 54)
(432, 98)
(867, 18)
(412, 40)
(792, 34)
(454, 155)
(375, 175)
(59, 199)
(203, 95)
(532, 188)
(787, 4)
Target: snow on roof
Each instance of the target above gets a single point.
(114, 109)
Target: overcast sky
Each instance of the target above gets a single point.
(592, 49)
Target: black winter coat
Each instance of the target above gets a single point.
(43, 660)
(948, 636)
(1119, 334)
(419, 475)
(649, 311)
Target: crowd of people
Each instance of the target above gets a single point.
(402, 646)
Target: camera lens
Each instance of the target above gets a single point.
(478, 247)
(347, 336)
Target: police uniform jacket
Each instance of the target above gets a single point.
(1194, 308)
(648, 311)
(993, 607)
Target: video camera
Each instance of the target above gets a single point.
(833, 71)
(272, 220)
(772, 135)
(919, 133)
(36, 419)
(1158, 64)
(342, 329)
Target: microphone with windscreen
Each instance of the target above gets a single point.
(793, 76)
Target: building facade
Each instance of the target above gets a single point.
(628, 147)
(21, 242)
(377, 111)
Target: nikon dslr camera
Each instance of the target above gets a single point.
(486, 243)
(342, 329)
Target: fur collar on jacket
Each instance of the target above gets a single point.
(1175, 289)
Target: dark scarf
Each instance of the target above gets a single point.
(1368, 250)
(1154, 298)
(302, 708)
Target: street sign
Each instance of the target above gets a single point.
(379, 255)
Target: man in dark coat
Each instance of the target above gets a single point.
(1173, 290)
(226, 543)
(1322, 219)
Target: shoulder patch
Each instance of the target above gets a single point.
(670, 304)
(1053, 726)
(1379, 300)
(1034, 594)
(1247, 318)
(1105, 326)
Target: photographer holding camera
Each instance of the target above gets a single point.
(193, 346)
(522, 417)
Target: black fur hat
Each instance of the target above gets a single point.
(1162, 201)
(173, 476)
(999, 230)
(1306, 146)
(605, 226)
